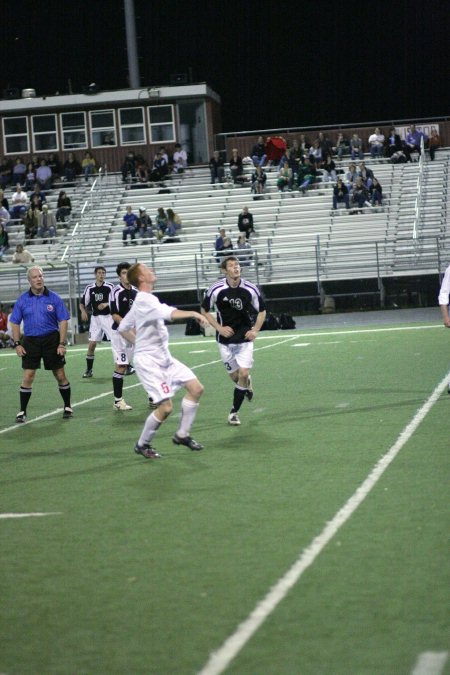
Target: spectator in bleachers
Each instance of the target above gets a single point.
(434, 142)
(128, 167)
(304, 145)
(142, 171)
(46, 224)
(296, 154)
(376, 143)
(351, 175)
(329, 170)
(413, 141)
(392, 143)
(44, 175)
(179, 159)
(30, 177)
(160, 168)
(245, 222)
(71, 168)
(315, 153)
(307, 174)
(19, 202)
(244, 251)
(174, 220)
(216, 167)
(55, 165)
(19, 172)
(88, 165)
(130, 228)
(218, 245)
(365, 173)
(145, 227)
(172, 230)
(285, 178)
(35, 161)
(356, 147)
(236, 166)
(376, 193)
(360, 194)
(259, 179)
(37, 198)
(340, 194)
(259, 155)
(5, 173)
(325, 145)
(3, 201)
(342, 146)
(30, 223)
(161, 223)
(63, 207)
(4, 216)
(4, 241)
(226, 249)
(21, 255)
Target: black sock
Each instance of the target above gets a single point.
(25, 394)
(89, 362)
(238, 398)
(117, 385)
(64, 390)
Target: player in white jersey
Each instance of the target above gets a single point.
(443, 300)
(159, 372)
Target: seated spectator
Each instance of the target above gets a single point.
(18, 172)
(342, 146)
(376, 193)
(360, 194)
(376, 143)
(325, 145)
(296, 153)
(37, 198)
(329, 170)
(226, 249)
(307, 174)
(315, 153)
(392, 143)
(31, 224)
(304, 145)
(4, 216)
(71, 168)
(88, 165)
(142, 170)
(351, 175)
(434, 142)
(46, 224)
(275, 148)
(145, 227)
(130, 228)
(259, 178)
(44, 175)
(356, 147)
(259, 155)
(19, 202)
(216, 167)
(218, 245)
(171, 234)
(5, 173)
(161, 223)
(285, 178)
(174, 219)
(244, 251)
(413, 141)
(179, 159)
(366, 174)
(55, 165)
(245, 222)
(4, 242)
(160, 169)
(63, 207)
(340, 194)
(3, 201)
(30, 177)
(21, 255)
(128, 167)
(236, 166)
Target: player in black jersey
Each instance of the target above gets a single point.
(237, 302)
(96, 299)
(121, 301)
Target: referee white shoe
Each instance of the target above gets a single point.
(122, 405)
(234, 420)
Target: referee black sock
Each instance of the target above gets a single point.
(117, 385)
(238, 398)
(25, 394)
(89, 362)
(64, 390)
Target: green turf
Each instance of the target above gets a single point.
(152, 565)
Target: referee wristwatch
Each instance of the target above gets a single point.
(62, 344)
(17, 343)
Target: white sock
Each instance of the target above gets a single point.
(188, 413)
(151, 426)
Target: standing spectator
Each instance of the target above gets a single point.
(356, 147)
(129, 167)
(259, 155)
(237, 301)
(121, 301)
(376, 143)
(259, 179)
(160, 374)
(161, 223)
(95, 298)
(44, 175)
(21, 255)
(236, 166)
(434, 142)
(88, 165)
(216, 167)
(325, 145)
(4, 241)
(19, 202)
(245, 222)
(46, 224)
(19, 172)
(45, 318)
(179, 159)
(71, 168)
(130, 228)
(340, 194)
(63, 207)
(145, 226)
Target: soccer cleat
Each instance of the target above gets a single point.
(146, 451)
(88, 373)
(151, 404)
(187, 441)
(249, 391)
(21, 417)
(234, 420)
(122, 405)
(67, 413)
(130, 370)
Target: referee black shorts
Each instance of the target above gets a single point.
(42, 347)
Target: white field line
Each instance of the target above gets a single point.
(430, 663)
(4, 516)
(220, 659)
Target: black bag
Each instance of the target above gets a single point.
(164, 191)
(270, 323)
(286, 322)
(192, 327)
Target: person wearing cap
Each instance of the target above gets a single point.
(145, 226)
(46, 224)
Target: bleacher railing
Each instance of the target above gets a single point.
(419, 199)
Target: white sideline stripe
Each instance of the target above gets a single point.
(220, 659)
(430, 663)
(3, 516)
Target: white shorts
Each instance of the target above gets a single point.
(99, 326)
(122, 349)
(235, 356)
(161, 382)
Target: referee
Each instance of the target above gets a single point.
(45, 320)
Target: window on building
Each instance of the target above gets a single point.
(162, 123)
(103, 131)
(44, 133)
(132, 128)
(73, 127)
(15, 135)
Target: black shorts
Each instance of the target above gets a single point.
(44, 347)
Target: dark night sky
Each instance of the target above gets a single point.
(274, 65)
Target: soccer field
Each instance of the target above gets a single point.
(311, 540)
